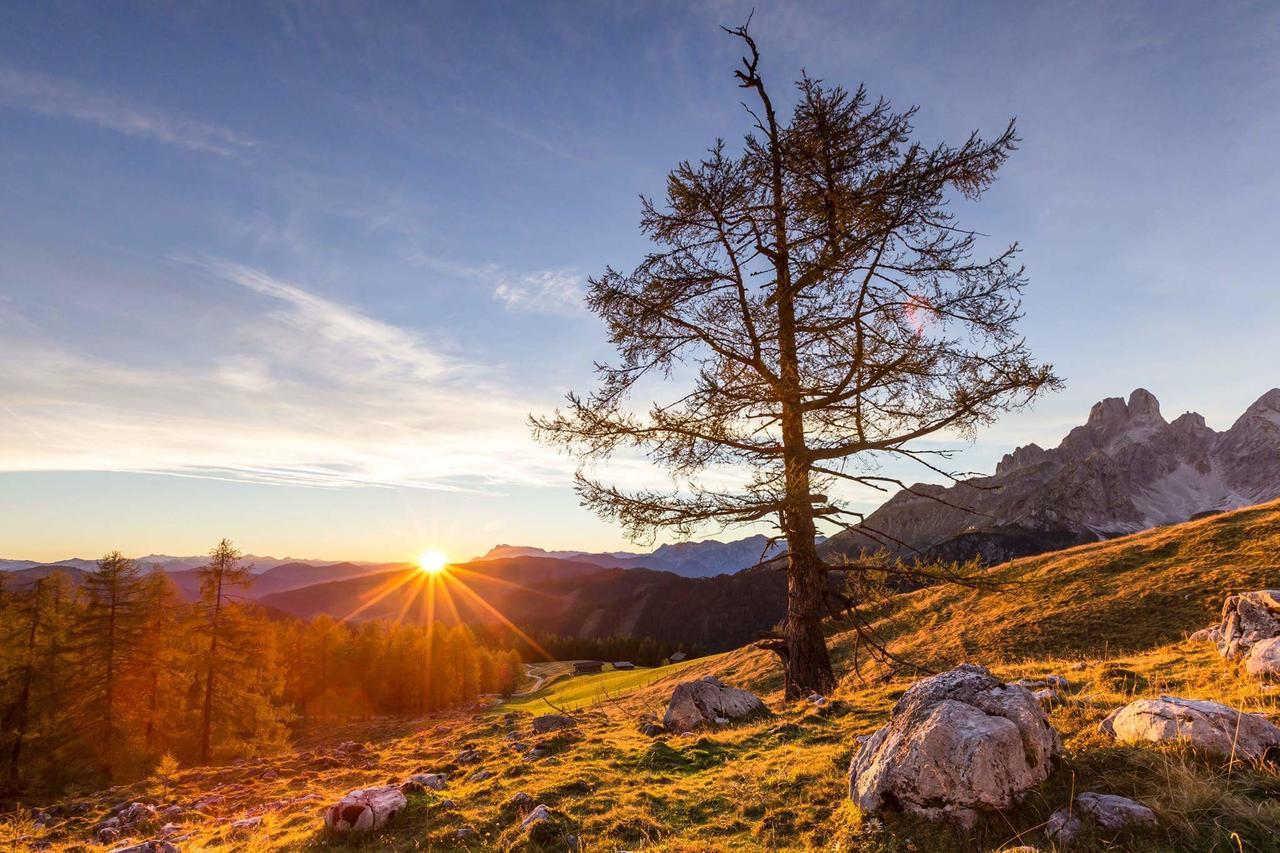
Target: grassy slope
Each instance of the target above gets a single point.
(1109, 616)
(571, 693)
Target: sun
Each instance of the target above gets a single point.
(432, 562)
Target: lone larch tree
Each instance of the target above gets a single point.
(818, 306)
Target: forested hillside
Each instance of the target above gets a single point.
(99, 680)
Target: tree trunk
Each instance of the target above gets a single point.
(806, 663)
(24, 697)
(206, 722)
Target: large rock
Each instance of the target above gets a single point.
(707, 702)
(548, 723)
(1105, 812)
(1247, 618)
(955, 744)
(1208, 726)
(365, 809)
(1264, 659)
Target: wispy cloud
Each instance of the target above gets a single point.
(300, 390)
(63, 99)
(551, 292)
(377, 341)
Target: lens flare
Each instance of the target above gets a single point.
(432, 562)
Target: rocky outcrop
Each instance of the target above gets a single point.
(1099, 812)
(707, 702)
(1247, 618)
(955, 744)
(1126, 469)
(1208, 726)
(365, 810)
(1264, 660)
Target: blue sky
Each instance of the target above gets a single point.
(296, 273)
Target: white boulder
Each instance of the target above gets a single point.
(364, 810)
(1208, 726)
(1263, 660)
(1105, 812)
(955, 743)
(707, 702)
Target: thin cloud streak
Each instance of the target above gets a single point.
(551, 292)
(63, 99)
(313, 393)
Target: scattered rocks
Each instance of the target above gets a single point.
(1046, 696)
(367, 809)
(153, 846)
(247, 824)
(419, 782)
(1105, 812)
(271, 773)
(469, 756)
(480, 776)
(1247, 618)
(1207, 726)
(465, 833)
(548, 723)
(1263, 660)
(707, 701)
(521, 801)
(955, 743)
(209, 803)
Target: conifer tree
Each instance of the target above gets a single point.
(108, 645)
(219, 580)
(821, 308)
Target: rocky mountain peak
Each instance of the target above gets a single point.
(1020, 458)
(1143, 404)
(1125, 470)
(1268, 403)
(1115, 412)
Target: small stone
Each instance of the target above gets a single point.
(246, 825)
(420, 782)
(1107, 812)
(480, 776)
(539, 814)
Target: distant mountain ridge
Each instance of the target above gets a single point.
(555, 596)
(1126, 469)
(703, 559)
(171, 563)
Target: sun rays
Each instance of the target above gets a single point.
(432, 584)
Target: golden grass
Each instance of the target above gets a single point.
(1111, 617)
